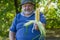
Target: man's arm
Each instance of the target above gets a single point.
(12, 35)
(13, 30)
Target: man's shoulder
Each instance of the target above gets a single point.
(18, 15)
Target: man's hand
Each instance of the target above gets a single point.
(12, 35)
(36, 26)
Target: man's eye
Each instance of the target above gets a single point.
(27, 5)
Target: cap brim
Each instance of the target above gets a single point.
(27, 3)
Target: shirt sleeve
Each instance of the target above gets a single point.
(13, 26)
(42, 18)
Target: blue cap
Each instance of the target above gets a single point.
(27, 1)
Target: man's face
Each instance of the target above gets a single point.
(27, 8)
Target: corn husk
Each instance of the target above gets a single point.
(41, 28)
(29, 23)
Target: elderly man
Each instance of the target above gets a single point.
(18, 31)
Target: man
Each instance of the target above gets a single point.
(18, 31)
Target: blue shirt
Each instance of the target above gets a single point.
(21, 32)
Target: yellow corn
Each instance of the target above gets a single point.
(37, 15)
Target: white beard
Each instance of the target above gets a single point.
(27, 11)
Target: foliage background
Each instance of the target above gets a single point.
(50, 8)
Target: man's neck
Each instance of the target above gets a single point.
(27, 15)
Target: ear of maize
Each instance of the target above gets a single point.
(37, 19)
(37, 15)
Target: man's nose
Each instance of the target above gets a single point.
(27, 7)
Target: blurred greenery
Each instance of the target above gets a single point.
(50, 8)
